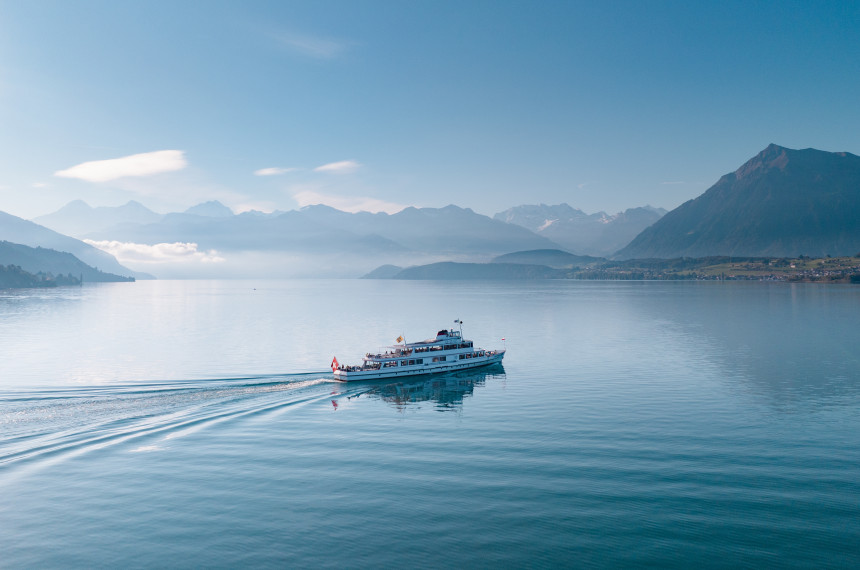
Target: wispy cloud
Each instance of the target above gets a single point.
(346, 203)
(39, 185)
(342, 167)
(144, 164)
(273, 171)
(313, 46)
(178, 252)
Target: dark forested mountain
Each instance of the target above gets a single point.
(50, 261)
(586, 234)
(21, 231)
(782, 202)
(447, 270)
(549, 257)
(13, 277)
(78, 218)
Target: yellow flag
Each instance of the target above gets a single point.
(400, 339)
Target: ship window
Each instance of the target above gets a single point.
(411, 362)
(419, 361)
(442, 358)
(462, 356)
(435, 359)
(404, 362)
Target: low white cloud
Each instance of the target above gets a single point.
(273, 171)
(346, 203)
(342, 167)
(39, 185)
(144, 164)
(314, 46)
(178, 252)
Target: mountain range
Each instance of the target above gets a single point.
(314, 241)
(448, 231)
(320, 240)
(585, 234)
(781, 203)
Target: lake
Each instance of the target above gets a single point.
(196, 424)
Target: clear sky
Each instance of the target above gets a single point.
(367, 104)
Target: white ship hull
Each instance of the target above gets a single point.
(419, 369)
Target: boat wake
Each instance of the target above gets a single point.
(44, 427)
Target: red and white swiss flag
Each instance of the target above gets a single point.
(334, 364)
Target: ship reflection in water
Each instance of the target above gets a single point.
(447, 391)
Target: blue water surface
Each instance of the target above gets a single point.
(195, 424)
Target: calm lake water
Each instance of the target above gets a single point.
(196, 424)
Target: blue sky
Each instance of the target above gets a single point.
(376, 105)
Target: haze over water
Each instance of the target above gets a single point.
(195, 423)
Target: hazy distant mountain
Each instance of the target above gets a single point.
(18, 230)
(437, 231)
(782, 202)
(448, 230)
(38, 259)
(549, 257)
(211, 209)
(384, 272)
(323, 241)
(259, 214)
(289, 231)
(586, 234)
(78, 218)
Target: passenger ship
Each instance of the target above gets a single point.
(447, 352)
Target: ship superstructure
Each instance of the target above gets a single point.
(446, 352)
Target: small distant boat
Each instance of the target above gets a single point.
(448, 351)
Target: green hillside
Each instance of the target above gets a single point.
(35, 260)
